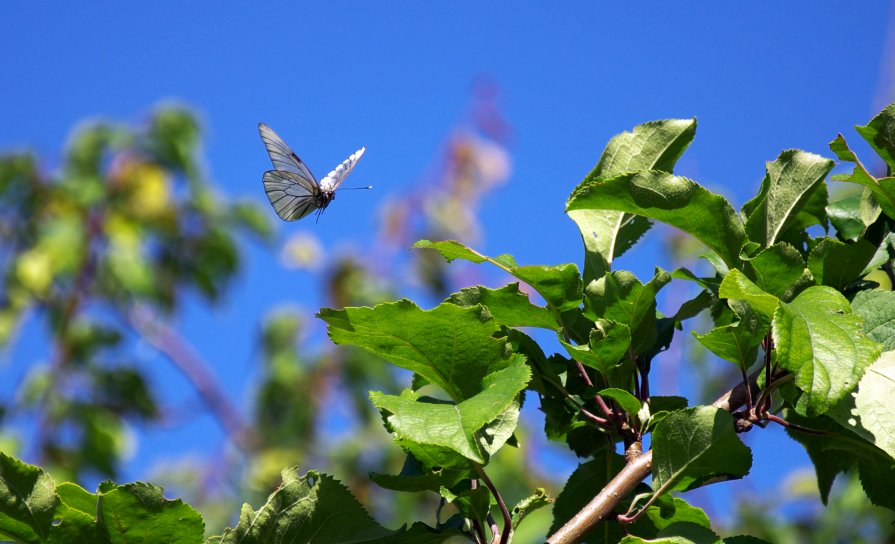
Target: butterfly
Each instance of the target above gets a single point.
(293, 190)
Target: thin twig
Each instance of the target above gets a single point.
(601, 506)
(504, 511)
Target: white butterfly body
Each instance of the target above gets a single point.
(293, 190)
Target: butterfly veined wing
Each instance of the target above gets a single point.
(282, 156)
(292, 195)
(331, 181)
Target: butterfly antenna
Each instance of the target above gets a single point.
(354, 188)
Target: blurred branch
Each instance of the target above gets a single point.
(168, 342)
(601, 506)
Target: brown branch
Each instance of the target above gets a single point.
(601, 506)
(197, 371)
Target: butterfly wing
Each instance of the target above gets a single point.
(282, 156)
(331, 181)
(292, 195)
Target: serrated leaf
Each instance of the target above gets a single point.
(868, 410)
(785, 190)
(139, 512)
(877, 308)
(883, 189)
(539, 499)
(508, 305)
(559, 285)
(836, 450)
(309, 508)
(458, 426)
(836, 264)
(819, 340)
(695, 445)
(450, 346)
(674, 200)
(27, 500)
(620, 297)
(778, 270)
(678, 533)
(736, 286)
(650, 146)
(609, 342)
(737, 342)
(880, 134)
(76, 515)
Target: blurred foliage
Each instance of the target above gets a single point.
(102, 252)
(127, 221)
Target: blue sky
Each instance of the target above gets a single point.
(397, 78)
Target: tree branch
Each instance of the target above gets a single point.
(178, 351)
(601, 506)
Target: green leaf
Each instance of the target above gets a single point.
(836, 450)
(819, 340)
(868, 411)
(695, 445)
(539, 499)
(620, 297)
(880, 134)
(508, 305)
(457, 426)
(677, 510)
(316, 508)
(836, 264)
(845, 215)
(449, 346)
(678, 533)
(559, 285)
(784, 192)
(650, 146)
(609, 342)
(27, 501)
(779, 270)
(626, 400)
(883, 189)
(878, 310)
(138, 512)
(737, 342)
(675, 200)
(736, 286)
(76, 515)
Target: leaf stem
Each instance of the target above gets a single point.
(504, 511)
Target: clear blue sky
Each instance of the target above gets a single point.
(397, 76)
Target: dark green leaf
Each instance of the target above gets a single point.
(138, 512)
(695, 445)
(559, 285)
(785, 190)
(449, 346)
(27, 501)
(836, 264)
(880, 134)
(609, 342)
(883, 189)
(620, 297)
(675, 200)
(508, 305)
(650, 146)
(778, 270)
(878, 310)
(845, 215)
(457, 426)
